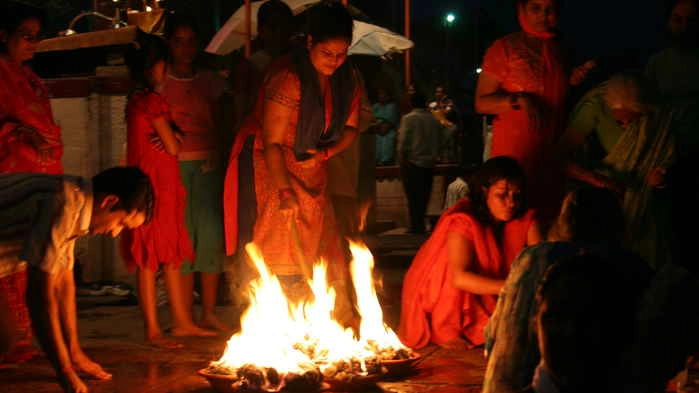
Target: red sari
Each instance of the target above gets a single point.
(24, 101)
(432, 310)
(519, 68)
(315, 224)
(164, 240)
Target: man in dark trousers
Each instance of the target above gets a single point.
(419, 138)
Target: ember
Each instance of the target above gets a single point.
(292, 347)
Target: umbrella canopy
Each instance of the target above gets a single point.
(367, 39)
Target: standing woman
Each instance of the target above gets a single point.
(524, 83)
(307, 111)
(30, 141)
(153, 145)
(193, 95)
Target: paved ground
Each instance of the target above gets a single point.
(112, 335)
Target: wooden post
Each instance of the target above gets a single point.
(248, 28)
(408, 53)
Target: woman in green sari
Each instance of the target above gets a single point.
(637, 146)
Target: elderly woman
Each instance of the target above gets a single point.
(307, 111)
(524, 83)
(591, 221)
(451, 288)
(638, 148)
(30, 140)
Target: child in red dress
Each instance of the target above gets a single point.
(152, 145)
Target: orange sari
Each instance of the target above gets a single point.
(316, 234)
(432, 310)
(520, 69)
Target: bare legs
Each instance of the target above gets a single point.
(148, 302)
(183, 325)
(181, 315)
(209, 292)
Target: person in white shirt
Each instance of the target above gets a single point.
(41, 217)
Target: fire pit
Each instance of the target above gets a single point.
(300, 347)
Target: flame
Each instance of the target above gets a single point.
(289, 337)
(363, 213)
(372, 329)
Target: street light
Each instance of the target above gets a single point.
(449, 19)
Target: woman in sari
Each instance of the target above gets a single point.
(307, 111)
(638, 148)
(451, 288)
(30, 141)
(524, 83)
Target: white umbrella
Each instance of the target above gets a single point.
(367, 39)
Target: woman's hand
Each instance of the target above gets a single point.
(288, 202)
(530, 105)
(210, 164)
(37, 142)
(157, 143)
(656, 178)
(321, 155)
(617, 188)
(580, 72)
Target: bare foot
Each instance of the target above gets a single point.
(212, 322)
(163, 342)
(71, 383)
(193, 331)
(83, 364)
(457, 343)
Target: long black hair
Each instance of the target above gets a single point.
(491, 172)
(328, 20)
(143, 54)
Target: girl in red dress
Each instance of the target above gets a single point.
(152, 145)
(451, 288)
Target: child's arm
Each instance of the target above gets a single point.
(167, 135)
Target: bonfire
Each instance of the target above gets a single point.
(298, 346)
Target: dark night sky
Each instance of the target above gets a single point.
(628, 30)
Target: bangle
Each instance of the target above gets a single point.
(514, 98)
(285, 193)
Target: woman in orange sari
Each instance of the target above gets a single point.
(306, 112)
(30, 141)
(451, 288)
(524, 83)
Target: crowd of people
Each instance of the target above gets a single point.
(569, 242)
(563, 261)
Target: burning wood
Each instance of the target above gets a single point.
(292, 347)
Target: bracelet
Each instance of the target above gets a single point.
(285, 193)
(513, 101)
